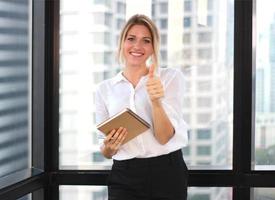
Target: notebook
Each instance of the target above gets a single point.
(128, 119)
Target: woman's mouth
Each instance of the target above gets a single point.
(136, 54)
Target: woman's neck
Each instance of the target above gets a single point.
(133, 74)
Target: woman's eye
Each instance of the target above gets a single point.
(147, 41)
(130, 39)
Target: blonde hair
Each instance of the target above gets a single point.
(140, 19)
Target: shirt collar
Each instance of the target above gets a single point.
(118, 78)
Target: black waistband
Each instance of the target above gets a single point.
(175, 156)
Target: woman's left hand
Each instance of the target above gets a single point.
(154, 86)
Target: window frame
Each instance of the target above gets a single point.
(241, 178)
(46, 101)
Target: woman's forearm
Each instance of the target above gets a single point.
(163, 128)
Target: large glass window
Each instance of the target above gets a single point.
(265, 87)
(83, 193)
(15, 92)
(204, 56)
(209, 193)
(100, 193)
(263, 194)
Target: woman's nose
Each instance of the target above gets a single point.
(137, 45)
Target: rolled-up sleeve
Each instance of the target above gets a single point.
(173, 105)
(101, 112)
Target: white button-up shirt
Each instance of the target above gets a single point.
(117, 93)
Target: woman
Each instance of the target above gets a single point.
(151, 165)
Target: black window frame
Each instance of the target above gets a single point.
(46, 115)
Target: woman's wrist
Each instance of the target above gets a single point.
(107, 152)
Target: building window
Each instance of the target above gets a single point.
(187, 22)
(187, 6)
(204, 102)
(210, 20)
(203, 134)
(205, 53)
(15, 90)
(163, 8)
(204, 37)
(119, 23)
(163, 39)
(97, 157)
(203, 118)
(163, 24)
(204, 70)
(121, 8)
(108, 19)
(163, 54)
(204, 150)
(186, 54)
(186, 38)
(210, 5)
(204, 86)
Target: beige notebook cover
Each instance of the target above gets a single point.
(134, 124)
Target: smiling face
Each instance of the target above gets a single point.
(138, 46)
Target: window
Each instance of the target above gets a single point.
(97, 157)
(205, 37)
(201, 110)
(163, 55)
(204, 102)
(210, 20)
(204, 150)
(119, 24)
(83, 192)
(163, 24)
(186, 54)
(210, 193)
(163, 8)
(204, 70)
(187, 22)
(265, 87)
(121, 8)
(204, 53)
(203, 118)
(203, 134)
(204, 86)
(186, 38)
(163, 39)
(187, 6)
(263, 194)
(15, 90)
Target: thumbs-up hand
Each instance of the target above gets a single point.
(154, 85)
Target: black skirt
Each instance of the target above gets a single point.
(163, 177)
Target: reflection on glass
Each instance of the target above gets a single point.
(202, 50)
(14, 85)
(209, 193)
(26, 197)
(83, 193)
(263, 194)
(265, 87)
(100, 193)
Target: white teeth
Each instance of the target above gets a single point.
(136, 54)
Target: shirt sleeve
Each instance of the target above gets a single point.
(101, 113)
(173, 103)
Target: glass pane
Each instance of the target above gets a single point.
(15, 60)
(265, 87)
(26, 197)
(83, 193)
(100, 193)
(209, 193)
(263, 194)
(205, 56)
